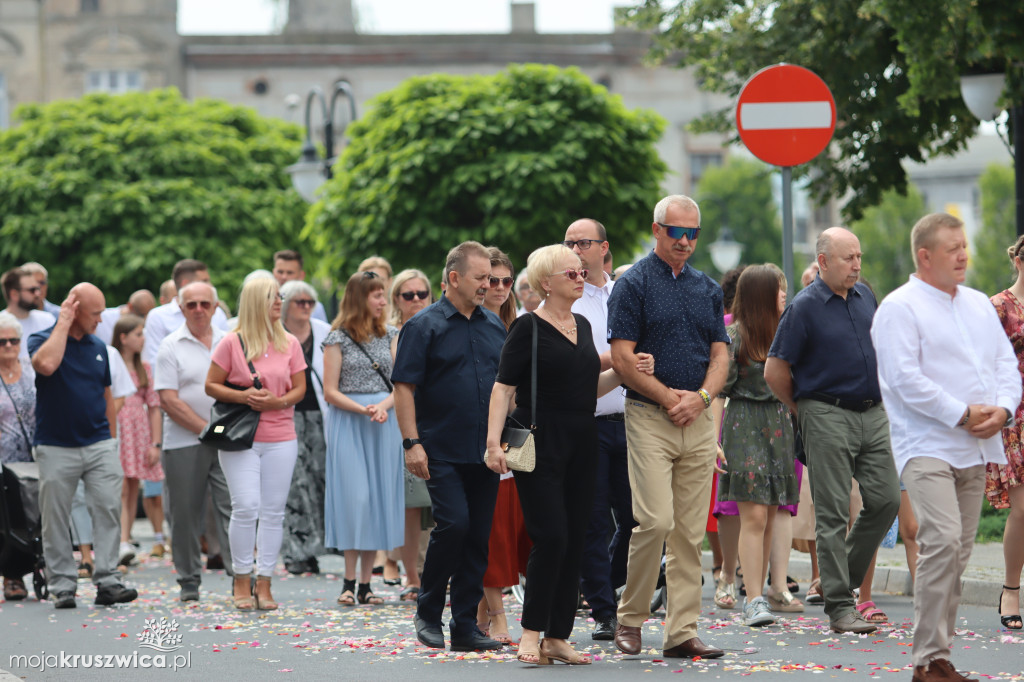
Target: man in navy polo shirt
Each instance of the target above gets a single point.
(75, 440)
(664, 307)
(444, 371)
(822, 365)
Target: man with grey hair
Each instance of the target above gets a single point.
(529, 299)
(949, 375)
(663, 306)
(42, 279)
(822, 365)
(190, 467)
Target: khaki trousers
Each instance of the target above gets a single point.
(670, 471)
(947, 504)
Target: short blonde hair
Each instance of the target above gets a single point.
(396, 285)
(542, 263)
(254, 325)
(375, 262)
(924, 235)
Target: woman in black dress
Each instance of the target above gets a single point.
(556, 496)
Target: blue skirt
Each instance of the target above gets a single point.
(364, 500)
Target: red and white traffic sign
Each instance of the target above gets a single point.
(785, 115)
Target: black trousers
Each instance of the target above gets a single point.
(556, 498)
(463, 497)
(604, 563)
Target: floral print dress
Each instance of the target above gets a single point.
(1001, 478)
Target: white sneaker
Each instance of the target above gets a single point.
(126, 554)
(756, 612)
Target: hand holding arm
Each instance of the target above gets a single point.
(496, 414)
(691, 404)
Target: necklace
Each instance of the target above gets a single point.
(560, 326)
(11, 372)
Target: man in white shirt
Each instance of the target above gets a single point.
(164, 319)
(190, 467)
(288, 267)
(949, 377)
(23, 296)
(139, 303)
(604, 563)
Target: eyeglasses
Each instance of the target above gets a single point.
(573, 274)
(504, 281)
(205, 305)
(32, 290)
(584, 244)
(676, 232)
(304, 302)
(410, 295)
(14, 341)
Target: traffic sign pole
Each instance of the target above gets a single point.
(787, 229)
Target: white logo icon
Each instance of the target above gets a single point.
(160, 635)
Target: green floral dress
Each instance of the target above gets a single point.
(757, 438)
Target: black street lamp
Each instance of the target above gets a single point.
(310, 172)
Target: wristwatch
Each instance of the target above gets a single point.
(407, 443)
(1009, 420)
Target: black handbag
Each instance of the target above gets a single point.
(232, 426)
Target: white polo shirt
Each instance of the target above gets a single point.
(182, 364)
(164, 319)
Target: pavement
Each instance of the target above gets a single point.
(312, 637)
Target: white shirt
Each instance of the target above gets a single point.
(36, 321)
(182, 363)
(105, 329)
(121, 384)
(938, 354)
(593, 305)
(164, 319)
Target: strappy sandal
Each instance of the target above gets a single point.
(725, 594)
(502, 637)
(411, 593)
(783, 601)
(1010, 617)
(814, 595)
(366, 595)
(716, 572)
(245, 602)
(532, 655)
(575, 659)
(348, 593)
(266, 603)
(871, 613)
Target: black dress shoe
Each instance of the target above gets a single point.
(115, 594)
(692, 648)
(477, 641)
(215, 563)
(604, 630)
(427, 634)
(189, 592)
(64, 600)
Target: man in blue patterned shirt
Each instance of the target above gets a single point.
(665, 307)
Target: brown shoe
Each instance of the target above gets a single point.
(627, 638)
(693, 648)
(939, 670)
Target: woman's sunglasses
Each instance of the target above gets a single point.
(504, 281)
(410, 295)
(573, 274)
(13, 341)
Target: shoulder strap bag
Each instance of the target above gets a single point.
(517, 441)
(373, 363)
(232, 426)
(17, 413)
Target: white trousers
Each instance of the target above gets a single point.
(259, 480)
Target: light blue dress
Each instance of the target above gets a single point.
(364, 505)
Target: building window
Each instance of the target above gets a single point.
(90, 6)
(699, 163)
(113, 81)
(3, 102)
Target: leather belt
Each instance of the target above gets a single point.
(617, 417)
(855, 405)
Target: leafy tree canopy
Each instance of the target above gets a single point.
(990, 268)
(893, 67)
(884, 234)
(509, 159)
(116, 189)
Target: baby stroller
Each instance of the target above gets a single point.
(20, 527)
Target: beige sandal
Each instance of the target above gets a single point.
(783, 601)
(267, 603)
(725, 594)
(243, 581)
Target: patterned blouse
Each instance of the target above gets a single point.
(13, 446)
(357, 374)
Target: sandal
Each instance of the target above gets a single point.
(85, 570)
(1005, 620)
(392, 568)
(814, 595)
(531, 655)
(244, 602)
(575, 659)
(871, 613)
(502, 637)
(739, 581)
(411, 593)
(366, 595)
(348, 593)
(783, 601)
(264, 603)
(725, 594)
(14, 589)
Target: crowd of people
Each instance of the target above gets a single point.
(663, 405)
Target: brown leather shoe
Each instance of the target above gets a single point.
(627, 638)
(693, 648)
(939, 670)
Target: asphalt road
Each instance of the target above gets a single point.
(311, 637)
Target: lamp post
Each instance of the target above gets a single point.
(725, 251)
(310, 172)
(980, 93)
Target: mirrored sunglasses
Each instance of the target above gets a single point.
(676, 232)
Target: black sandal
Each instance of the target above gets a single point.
(366, 595)
(347, 596)
(1010, 618)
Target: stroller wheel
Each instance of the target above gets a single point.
(39, 585)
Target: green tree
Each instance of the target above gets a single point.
(990, 268)
(509, 159)
(893, 67)
(884, 234)
(115, 189)
(739, 195)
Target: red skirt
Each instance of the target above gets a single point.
(509, 545)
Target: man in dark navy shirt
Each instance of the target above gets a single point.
(444, 371)
(822, 365)
(665, 307)
(75, 440)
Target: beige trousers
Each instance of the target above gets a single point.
(947, 504)
(670, 471)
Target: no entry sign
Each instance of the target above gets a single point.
(785, 115)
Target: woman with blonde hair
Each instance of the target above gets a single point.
(259, 478)
(364, 496)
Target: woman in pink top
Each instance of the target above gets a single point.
(259, 478)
